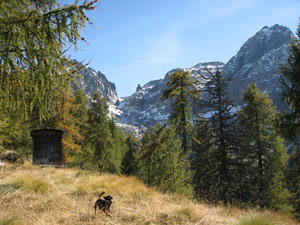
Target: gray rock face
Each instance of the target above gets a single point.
(259, 61)
(92, 81)
(146, 108)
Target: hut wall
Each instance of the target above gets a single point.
(47, 146)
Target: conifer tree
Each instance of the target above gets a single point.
(266, 155)
(130, 162)
(80, 111)
(218, 149)
(34, 35)
(162, 163)
(12, 135)
(67, 122)
(98, 148)
(182, 88)
(203, 163)
(290, 120)
(119, 145)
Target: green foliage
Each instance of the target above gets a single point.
(34, 80)
(214, 143)
(130, 162)
(163, 163)
(182, 88)
(290, 120)
(203, 161)
(15, 135)
(34, 36)
(290, 84)
(293, 180)
(265, 154)
(103, 142)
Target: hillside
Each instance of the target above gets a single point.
(33, 195)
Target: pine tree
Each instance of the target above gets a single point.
(98, 147)
(290, 120)
(266, 154)
(33, 38)
(203, 163)
(130, 162)
(163, 164)
(216, 155)
(119, 145)
(181, 87)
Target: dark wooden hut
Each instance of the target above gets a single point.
(47, 146)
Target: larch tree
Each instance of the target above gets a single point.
(181, 89)
(266, 156)
(34, 35)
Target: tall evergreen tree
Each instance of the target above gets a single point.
(119, 144)
(130, 162)
(98, 147)
(290, 120)
(162, 162)
(218, 150)
(182, 88)
(203, 163)
(265, 152)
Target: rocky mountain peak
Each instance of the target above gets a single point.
(92, 81)
(266, 40)
(139, 88)
(145, 106)
(258, 61)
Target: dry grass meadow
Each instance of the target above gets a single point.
(33, 195)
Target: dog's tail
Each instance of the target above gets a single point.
(101, 194)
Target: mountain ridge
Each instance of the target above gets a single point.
(258, 60)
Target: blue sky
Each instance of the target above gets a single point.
(136, 41)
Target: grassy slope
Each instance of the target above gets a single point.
(34, 195)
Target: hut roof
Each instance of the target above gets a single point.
(45, 129)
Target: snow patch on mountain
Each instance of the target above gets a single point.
(258, 61)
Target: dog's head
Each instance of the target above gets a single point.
(108, 198)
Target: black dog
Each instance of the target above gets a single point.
(104, 204)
